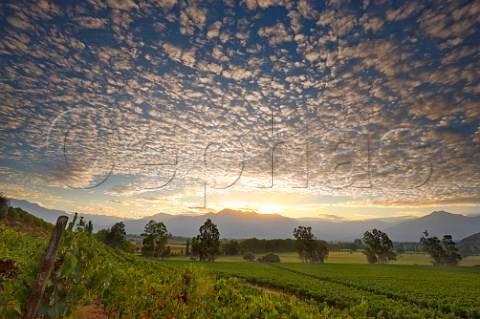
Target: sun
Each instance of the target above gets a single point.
(258, 207)
(270, 208)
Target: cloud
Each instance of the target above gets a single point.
(404, 11)
(371, 24)
(192, 18)
(176, 53)
(237, 74)
(122, 4)
(276, 34)
(306, 9)
(330, 217)
(452, 202)
(91, 23)
(198, 15)
(214, 29)
(169, 81)
(166, 4)
(19, 23)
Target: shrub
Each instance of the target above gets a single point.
(270, 258)
(248, 256)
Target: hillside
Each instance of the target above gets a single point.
(122, 285)
(438, 223)
(51, 215)
(241, 224)
(470, 245)
(24, 222)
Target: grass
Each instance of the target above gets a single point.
(348, 258)
(397, 290)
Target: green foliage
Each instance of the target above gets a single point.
(391, 293)
(77, 272)
(260, 246)
(187, 248)
(308, 247)
(442, 253)
(133, 287)
(378, 247)
(270, 258)
(101, 235)
(231, 248)
(22, 220)
(3, 205)
(207, 242)
(320, 252)
(11, 213)
(155, 239)
(116, 235)
(3, 200)
(248, 256)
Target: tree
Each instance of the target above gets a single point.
(116, 235)
(194, 247)
(208, 241)
(3, 205)
(358, 244)
(187, 249)
(320, 252)
(167, 252)
(248, 256)
(442, 253)
(155, 239)
(270, 258)
(379, 248)
(309, 248)
(305, 242)
(232, 248)
(128, 246)
(101, 235)
(89, 228)
(11, 213)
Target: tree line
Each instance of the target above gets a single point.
(206, 246)
(379, 248)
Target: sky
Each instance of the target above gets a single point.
(335, 109)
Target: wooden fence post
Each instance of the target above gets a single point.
(46, 269)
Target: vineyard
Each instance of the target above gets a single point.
(132, 287)
(128, 286)
(391, 291)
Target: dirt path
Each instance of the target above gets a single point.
(268, 290)
(94, 311)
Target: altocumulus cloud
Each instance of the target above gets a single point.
(348, 99)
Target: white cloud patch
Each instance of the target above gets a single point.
(122, 4)
(404, 11)
(276, 34)
(214, 29)
(91, 23)
(166, 4)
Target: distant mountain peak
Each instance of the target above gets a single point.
(441, 212)
(246, 224)
(246, 213)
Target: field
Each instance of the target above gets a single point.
(391, 291)
(346, 258)
(122, 285)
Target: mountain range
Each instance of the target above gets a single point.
(241, 224)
